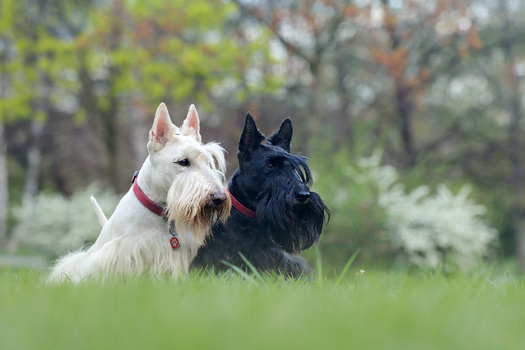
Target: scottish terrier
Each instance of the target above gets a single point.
(275, 214)
(159, 225)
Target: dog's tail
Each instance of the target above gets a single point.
(100, 214)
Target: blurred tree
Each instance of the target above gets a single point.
(375, 58)
(308, 33)
(34, 58)
(514, 75)
(4, 189)
(4, 184)
(502, 62)
(110, 64)
(419, 42)
(436, 84)
(135, 55)
(407, 76)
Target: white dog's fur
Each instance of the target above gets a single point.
(135, 241)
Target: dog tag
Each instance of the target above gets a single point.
(174, 241)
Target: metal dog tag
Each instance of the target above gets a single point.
(174, 241)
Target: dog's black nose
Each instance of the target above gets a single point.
(303, 196)
(217, 198)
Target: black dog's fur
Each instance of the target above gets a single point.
(275, 184)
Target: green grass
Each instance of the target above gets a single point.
(377, 310)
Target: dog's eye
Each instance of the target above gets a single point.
(183, 162)
(269, 166)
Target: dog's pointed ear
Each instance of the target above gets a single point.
(283, 137)
(251, 137)
(162, 128)
(191, 125)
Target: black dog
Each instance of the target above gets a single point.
(274, 214)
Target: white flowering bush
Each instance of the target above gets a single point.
(432, 229)
(54, 224)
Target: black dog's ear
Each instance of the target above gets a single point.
(251, 137)
(283, 137)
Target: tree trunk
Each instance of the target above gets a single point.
(104, 119)
(34, 157)
(4, 188)
(110, 122)
(402, 94)
(519, 228)
(139, 128)
(516, 160)
(515, 147)
(313, 124)
(404, 114)
(345, 123)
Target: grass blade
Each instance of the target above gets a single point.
(241, 272)
(319, 266)
(347, 266)
(252, 268)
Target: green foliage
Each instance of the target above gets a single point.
(170, 51)
(357, 221)
(154, 51)
(374, 311)
(35, 61)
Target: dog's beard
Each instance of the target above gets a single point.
(292, 225)
(190, 208)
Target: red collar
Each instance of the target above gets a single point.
(241, 208)
(148, 203)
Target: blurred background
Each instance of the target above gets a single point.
(411, 113)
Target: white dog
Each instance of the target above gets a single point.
(159, 225)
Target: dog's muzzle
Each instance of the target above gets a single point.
(217, 198)
(303, 196)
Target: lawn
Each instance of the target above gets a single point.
(373, 310)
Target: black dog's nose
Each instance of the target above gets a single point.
(303, 196)
(217, 198)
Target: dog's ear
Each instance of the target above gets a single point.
(251, 137)
(191, 125)
(283, 137)
(162, 128)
